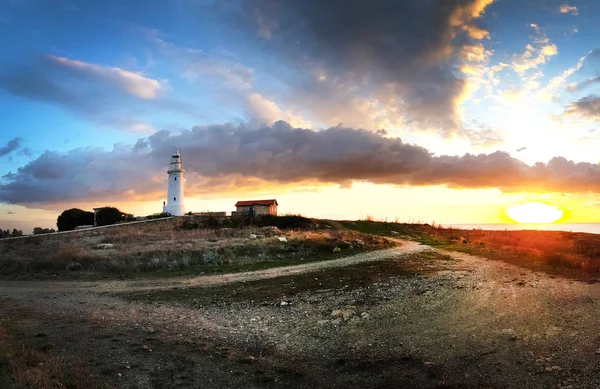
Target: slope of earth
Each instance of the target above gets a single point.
(412, 316)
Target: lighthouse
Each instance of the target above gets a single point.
(174, 204)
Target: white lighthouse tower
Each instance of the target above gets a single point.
(174, 204)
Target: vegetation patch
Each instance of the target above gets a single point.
(274, 290)
(179, 247)
(573, 254)
(23, 366)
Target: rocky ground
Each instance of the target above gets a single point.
(404, 317)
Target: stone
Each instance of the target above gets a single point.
(394, 233)
(556, 368)
(548, 368)
(359, 243)
(291, 247)
(337, 250)
(365, 316)
(105, 246)
(598, 351)
(253, 236)
(73, 266)
(282, 239)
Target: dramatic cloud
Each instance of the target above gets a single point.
(11, 146)
(368, 63)
(133, 83)
(227, 157)
(105, 95)
(587, 107)
(568, 9)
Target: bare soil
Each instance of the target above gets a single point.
(410, 316)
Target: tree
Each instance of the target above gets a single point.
(110, 215)
(16, 232)
(74, 217)
(40, 230)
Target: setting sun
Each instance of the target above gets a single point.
(534, 212)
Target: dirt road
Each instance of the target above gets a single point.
(423, 322)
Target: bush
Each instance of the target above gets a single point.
(74, 217)
(159, 215)
(110, 215)
(40, 230)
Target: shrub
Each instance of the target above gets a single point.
(74, 217)
(159, 215)
(284, 222)
(40, 230)
(111, 215)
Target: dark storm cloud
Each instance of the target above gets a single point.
(400, 53)
(228, 156)
(10, 146)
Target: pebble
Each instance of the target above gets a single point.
(598, 351)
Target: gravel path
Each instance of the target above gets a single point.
(406, 247)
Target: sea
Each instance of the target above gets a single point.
(592, 228)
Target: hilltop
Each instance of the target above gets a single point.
(188, 302)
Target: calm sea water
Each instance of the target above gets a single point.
(593, 228)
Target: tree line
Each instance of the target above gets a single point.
(10, 234)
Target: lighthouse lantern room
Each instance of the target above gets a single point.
(174, 204)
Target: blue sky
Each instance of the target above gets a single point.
(116, 83)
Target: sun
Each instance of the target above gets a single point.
(534, 212)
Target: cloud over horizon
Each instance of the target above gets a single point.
(226, 157)
(11, 145)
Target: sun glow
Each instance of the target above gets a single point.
(534, 213)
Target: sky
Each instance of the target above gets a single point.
(433, 110)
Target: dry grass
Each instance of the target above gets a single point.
(26, 367)
(555, 249)
(166, 246)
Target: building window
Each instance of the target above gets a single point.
(174, 198)
(175, 178)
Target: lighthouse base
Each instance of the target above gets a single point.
(174, 209)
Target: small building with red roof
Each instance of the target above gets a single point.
(256, 207)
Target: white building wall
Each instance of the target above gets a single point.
(175, 201)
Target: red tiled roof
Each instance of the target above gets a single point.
(248, 203)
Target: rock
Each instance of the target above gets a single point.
(365, 316)
(548, 368)
(394, 233)
(253, 236)
(282, 239)
(556, 368)
(322, 322)
(345, 314)
(337, 250)
(291, 247)
(105, 246)
(359, 243)
(285, 303)
(598, 351)
(73, 266)
(210, 257)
